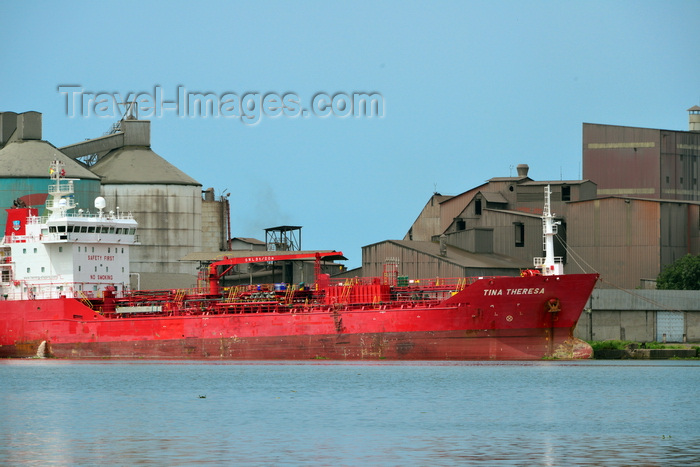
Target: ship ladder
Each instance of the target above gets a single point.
(83, 298)
(345, 293)
(179, 296)
(232, 292)
(461, 284)
(289, 294)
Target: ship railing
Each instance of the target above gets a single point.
(19, 238)
(436, 283)
(539, 261)
(111, 215)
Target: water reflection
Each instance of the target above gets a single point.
(549, 413)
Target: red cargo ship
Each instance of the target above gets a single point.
(64, 293)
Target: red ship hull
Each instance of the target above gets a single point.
(505, 318)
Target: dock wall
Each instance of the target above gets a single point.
(641, 315)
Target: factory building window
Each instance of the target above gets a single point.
(519, 234)
(461, 225)
(566, 193)
(477, 207)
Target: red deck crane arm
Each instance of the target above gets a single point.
(214, 276)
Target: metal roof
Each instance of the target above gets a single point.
(494, 197)
(32, 159)
(555, 182)
(284, 228)
(217, 255)
(253, 241)
(462, 257)
(139, 165)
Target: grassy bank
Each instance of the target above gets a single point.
(616, 349)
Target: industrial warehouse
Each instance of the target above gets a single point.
(636, 210)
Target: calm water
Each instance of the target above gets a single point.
(321, 413)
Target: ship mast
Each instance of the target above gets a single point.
(61, 201)
(550, 264)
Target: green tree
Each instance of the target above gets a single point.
(683, 274)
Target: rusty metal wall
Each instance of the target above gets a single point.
(642, 162)
(411, 263)
(503, 225)
(693, 228)
(622, 160)
(428, 222)
(454, 207)
(417, 265)
(618, 238)
(680, 152)
(675, 228)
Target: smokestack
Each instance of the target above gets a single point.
(694, 118)
(522, 170)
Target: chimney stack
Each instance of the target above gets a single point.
(523, 170)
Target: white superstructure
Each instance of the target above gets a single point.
(74, 254)
(551, 265)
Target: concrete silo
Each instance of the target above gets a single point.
(165, 201)
(24, 166)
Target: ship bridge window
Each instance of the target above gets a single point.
(61, 228)
(91, 229)
(119, 231)
(52, 229)
(111, 230)
(83, 229)
(105, 229)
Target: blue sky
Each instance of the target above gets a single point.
(470, 89)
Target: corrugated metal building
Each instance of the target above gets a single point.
(501, 217)
(426, 260)
(643, 162)
(631, 239)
